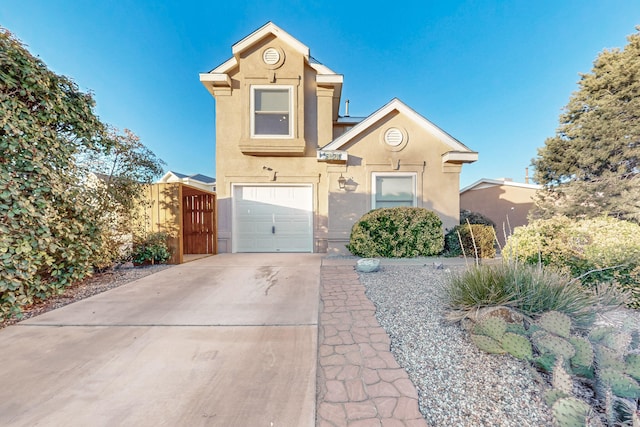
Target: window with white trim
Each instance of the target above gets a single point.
(272, 111)
(393, 189)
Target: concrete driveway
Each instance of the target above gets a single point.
(229, 340)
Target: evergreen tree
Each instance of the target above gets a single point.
(591, 166)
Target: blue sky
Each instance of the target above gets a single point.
(493, 74)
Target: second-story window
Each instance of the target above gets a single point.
(271, 111)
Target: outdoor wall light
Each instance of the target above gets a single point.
(342, 181)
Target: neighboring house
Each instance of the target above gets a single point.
(505, 202)
(200, 181)
(294, 176)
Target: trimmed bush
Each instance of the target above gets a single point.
(397, 233)
(474, 236)
(599, 250)
(475, 218)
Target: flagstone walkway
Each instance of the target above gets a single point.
(360, 384)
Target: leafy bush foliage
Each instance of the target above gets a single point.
(53, 224)
(152, 249)
(397, 232)
(47, 228)
(474, 218)
(599, 250)
(528, 289)
(483, 230)
(473, 236)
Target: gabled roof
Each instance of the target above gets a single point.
(219, 75)
(269, 29)
(466, 154)
(486, 183)
(203, 178)
(177, 176)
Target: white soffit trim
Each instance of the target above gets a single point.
(329, 79)
(225, 67)
(459, 157)
(215, 78)
(396, 104)
(486, 183)
(270, 28)
(322, 69)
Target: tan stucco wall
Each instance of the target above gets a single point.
(368, 154)
(233, 128)
(505, 205)
(335, 210)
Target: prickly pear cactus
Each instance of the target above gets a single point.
(487, 344)
(570, 412)
(621, 385)
(545, 362)
(606, 358)
(556, 323)
(597, 334)
(561, 380)
(632, 368)
(549, 343)
(584, 352)
(552, 395)
(517, 345)
(618, 342)
(493, 327)
(517, 328)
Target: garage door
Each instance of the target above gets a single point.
(273, 219)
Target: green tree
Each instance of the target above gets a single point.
(115, 178)
(46, 227)
(591, 166)
(68, 184)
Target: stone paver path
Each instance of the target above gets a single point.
(360, 384)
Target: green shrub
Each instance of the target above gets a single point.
(599, 250)
(475, 218)
(152, 249)
(525, 288)
(474, 236)
(397, 233)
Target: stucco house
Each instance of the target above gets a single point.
(293, 175)
(505, 202)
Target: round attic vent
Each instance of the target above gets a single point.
(393, 137)
(271, 56)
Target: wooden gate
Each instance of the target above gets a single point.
(198, 222)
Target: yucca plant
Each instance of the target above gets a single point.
(528, 289)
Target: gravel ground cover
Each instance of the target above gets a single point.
(98, 283)
(458, 385)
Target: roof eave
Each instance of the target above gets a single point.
(459, 157)
(262, 32)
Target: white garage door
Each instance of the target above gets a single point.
(273, 218)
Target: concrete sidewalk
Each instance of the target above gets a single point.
(229, 340)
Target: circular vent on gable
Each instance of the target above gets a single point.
(271, 56)
(393, 137)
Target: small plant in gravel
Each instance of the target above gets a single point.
(527, 289)
(151, 249)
